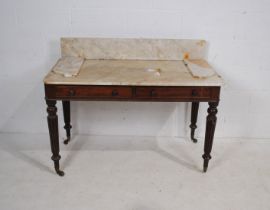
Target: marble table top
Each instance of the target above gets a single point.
(145, 62)
(138, 73)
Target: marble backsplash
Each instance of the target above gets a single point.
(133, 49)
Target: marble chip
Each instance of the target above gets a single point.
(199, 71)
(68, 66)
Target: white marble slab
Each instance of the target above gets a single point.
(199, 68)
(135, 72)
(133, 49)
(68, 66)
(159, 62)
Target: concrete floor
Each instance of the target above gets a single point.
(133, 173)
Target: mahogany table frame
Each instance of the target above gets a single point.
(67, 93)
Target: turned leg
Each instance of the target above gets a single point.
(66, 112)
(209, 133)
(194, 115)
(54, 136)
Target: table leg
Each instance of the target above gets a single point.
(54, 136)
(66, 112)
(194, 115)
(209, 133)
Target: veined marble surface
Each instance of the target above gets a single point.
(136, 72)
(199, 68)
(133, 49)
(68, 66)
(112, 61)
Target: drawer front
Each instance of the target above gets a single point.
(173, 92)
(93, 92)
(129, 93)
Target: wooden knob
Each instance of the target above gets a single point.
(153, 93)
(115, 93)
(194, 93)
(72, 92)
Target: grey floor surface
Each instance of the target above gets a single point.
(133, 173)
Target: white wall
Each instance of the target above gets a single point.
(238, 32)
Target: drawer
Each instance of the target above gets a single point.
(131, 93)
(93, 92)
(173, 92)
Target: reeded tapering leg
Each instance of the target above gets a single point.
(194, 115)
(66, 112)
(54, 136)
(209, 133)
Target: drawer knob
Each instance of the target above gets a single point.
(194, 93)
(72, 92)
(153, 93)
(115, 93)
